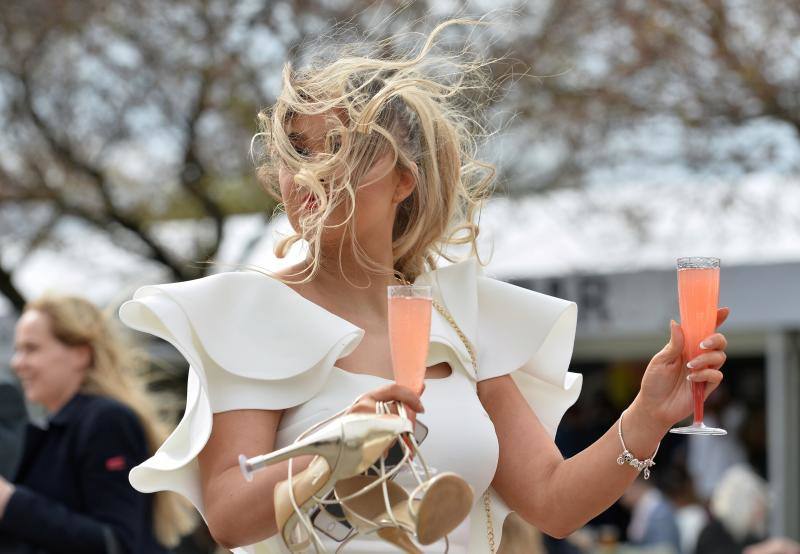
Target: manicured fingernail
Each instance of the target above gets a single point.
(690, 377)
(706, 344)
(691, 365)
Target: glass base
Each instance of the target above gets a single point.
(698, 429)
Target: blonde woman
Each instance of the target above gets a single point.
(71, 493)
(374, 161)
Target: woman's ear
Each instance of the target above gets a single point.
(405, 185)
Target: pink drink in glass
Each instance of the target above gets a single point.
(698, 294)
(409, 334)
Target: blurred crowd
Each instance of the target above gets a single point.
(707, 495)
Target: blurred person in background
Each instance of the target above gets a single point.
(519, 537)
(690, 514)
(739, 515)
(12, 428)
(652, 517)
(774, 546)
(13, 417)
(739, 509)
(71, 492)
(707, 461)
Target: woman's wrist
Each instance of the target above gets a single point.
(647, 418)
(642, 431)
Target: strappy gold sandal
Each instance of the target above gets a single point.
(429, 513)
(344, 447)
(376, 504)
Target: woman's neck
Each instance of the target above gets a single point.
(344, 281)
(58, 401)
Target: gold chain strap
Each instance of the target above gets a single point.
(445, 314)
(486, 500)
(489, 523)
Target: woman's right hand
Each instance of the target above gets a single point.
(387, 393)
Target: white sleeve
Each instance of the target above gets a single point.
(530, 336)
(251, 343)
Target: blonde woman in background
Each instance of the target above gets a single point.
(374, 160)
(71, 493)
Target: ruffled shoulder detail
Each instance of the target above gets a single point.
(530, 336)
(513, 331)
(239, 316)
(251, 342)
(517, 332)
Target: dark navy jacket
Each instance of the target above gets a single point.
(12, 428)
(72, 491)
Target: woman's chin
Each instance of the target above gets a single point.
(31, 394)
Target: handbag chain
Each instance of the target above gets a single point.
(487, 505)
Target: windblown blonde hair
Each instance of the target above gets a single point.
(420, 108)
(75, 321)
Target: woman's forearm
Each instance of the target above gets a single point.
(241, 513)
(557, 495)
(589, 482)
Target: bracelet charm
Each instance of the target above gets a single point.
(628, 458)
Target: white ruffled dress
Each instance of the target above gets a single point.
(253, 342)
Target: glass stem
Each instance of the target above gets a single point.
(698, 394)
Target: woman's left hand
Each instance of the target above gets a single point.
(6, 490)
(665, 394)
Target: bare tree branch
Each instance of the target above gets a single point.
(66, 155)
(10, 291)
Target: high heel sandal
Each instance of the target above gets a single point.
(343, 447)
(429, 513)
(376, 504)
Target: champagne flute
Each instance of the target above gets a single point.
(409, 333)
(698, 294)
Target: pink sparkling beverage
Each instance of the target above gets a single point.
(698, 295)
(409, 334)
